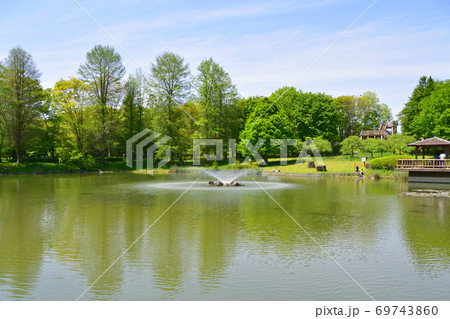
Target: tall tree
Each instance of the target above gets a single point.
(20, 97)
(349, 123)
(267, 121)
(72, 99)
(413, 107)
(47, 128)
(217, 96)
(371, 112)
(3, 134)
(434, 116)
(427, 112)
(169, 87)
(133, 105)
(364, 112)
(287, 99)
(103, 70)
(315, 115)
(2, 140)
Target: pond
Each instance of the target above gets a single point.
(352, 239)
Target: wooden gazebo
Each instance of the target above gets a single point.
(431, 142)
(427, 170)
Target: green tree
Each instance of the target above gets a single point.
(442, 128)
(248, 106)
(73, 99)
(287, 99)
(373, 145)
(323, 146)
(347, 116)
(3, 139)
(350, 145)
(267, 122)
(3, 134)
(381, 146)
(413, 107)
(370, 145)
(216, 95)
(399, 142)
(190, 125)
(47, 128)
(371, 112)
(20, 98)
(315, 115)
(103, 70)
(133, 108)
(434, 116)
(169, 87)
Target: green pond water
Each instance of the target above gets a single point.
(58, 234)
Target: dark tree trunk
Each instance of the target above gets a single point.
(19, 156)
(1, 147)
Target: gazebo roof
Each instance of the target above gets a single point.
(434, 141)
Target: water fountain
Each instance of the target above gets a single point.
(219, 183)
(217, 180)
(225, 178)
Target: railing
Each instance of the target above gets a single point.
(423, 164)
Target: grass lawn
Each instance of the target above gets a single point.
(32, 168)
(334, 164)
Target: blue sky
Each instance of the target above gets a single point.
(263, 45)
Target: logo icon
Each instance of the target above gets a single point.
(146, 143)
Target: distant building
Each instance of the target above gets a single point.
(384, 131)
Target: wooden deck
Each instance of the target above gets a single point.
(374, 134)
(424, 165)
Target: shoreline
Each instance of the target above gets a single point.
(336, 167)
(163, 172)
(328, 175)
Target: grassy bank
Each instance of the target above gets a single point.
(53, 168)
(334, 164)
(32, 168)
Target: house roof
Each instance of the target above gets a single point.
(434, 141)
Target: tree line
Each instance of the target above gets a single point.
(427, 113)
(90, 115)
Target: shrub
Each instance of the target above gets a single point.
(238, 165)
(323, 146)
(253, 165)
(388, 162)
(215, 165)
(79, 161)
(76, 161)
